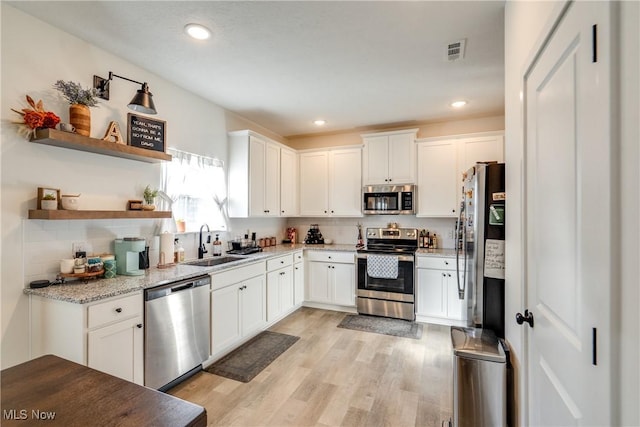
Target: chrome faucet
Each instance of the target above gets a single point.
(201, 248)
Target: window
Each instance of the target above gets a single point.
(197, 189)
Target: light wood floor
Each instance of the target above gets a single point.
(336, 377)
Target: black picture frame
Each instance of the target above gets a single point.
(145, 132)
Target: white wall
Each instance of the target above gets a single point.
(34, 56)
(525, 25)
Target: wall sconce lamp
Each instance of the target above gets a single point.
(142, 102)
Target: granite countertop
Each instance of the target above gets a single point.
(446, 253)
(98, 289)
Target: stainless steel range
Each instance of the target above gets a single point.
(385, 273)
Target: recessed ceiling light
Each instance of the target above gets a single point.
(319, 122)
(458, 104)
(197, 31)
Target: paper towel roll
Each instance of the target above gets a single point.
(166, 248)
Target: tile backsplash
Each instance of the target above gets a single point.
(345, 231)
(47, 242)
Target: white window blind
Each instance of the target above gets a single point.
(196, 185)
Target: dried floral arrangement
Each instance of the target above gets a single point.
(36, 117)
(75, 94)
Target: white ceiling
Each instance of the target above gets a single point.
(284, 64)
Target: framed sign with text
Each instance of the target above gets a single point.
(145, 132)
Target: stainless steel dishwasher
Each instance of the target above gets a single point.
(176, 331)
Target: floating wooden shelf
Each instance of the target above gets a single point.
(62, 214)
(74, 141)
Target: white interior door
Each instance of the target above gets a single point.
(568, 214)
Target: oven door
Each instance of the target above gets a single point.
(399, 289)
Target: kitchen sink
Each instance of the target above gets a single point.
(209, 262)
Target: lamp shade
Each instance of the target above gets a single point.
(143, 101)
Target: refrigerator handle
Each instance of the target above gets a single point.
(458, 249)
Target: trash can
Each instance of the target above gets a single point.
(479, 378)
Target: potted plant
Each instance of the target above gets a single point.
(149, 196)
(49, 202)
(80, 100)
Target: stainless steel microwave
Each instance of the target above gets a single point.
(389, 200)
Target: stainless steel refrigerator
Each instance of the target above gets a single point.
(481, 235)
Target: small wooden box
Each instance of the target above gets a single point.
(134, 205)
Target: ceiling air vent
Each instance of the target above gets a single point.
(455, 50)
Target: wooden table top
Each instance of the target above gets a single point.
(53, 391)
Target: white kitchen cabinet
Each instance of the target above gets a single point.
(480, 148)
(331, 278)
(431, 293)
(437, 292)
(288, 183)
(107, 335)
(437, 179)
(118, 349)
(330, 183)
(252, 306)
(254, 175)
(314, 183)
(342, 284)
(345, 185)
(279, 287)
(441, 163)
(389, 157)
(238, 306)
(298, 278)
(225, 317)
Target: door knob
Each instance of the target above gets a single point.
(528, 317)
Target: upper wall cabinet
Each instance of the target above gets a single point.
(288, 182)
(442, 161)
(475, 149)
(330, 183)
(437, 179)
(389, 157)
(254, 175)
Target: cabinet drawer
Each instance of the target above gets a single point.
(279, 262)
(236, 275)
(114, 310)
(298, 257)
(440, 263)
(332, 256)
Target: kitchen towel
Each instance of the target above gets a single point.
(382, 266)
(166, 248)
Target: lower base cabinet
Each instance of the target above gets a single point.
(331, 278)
(437, 298)
(280, 287)
(107, 336)
(118, 349)
(298, 279)
(238, 306)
